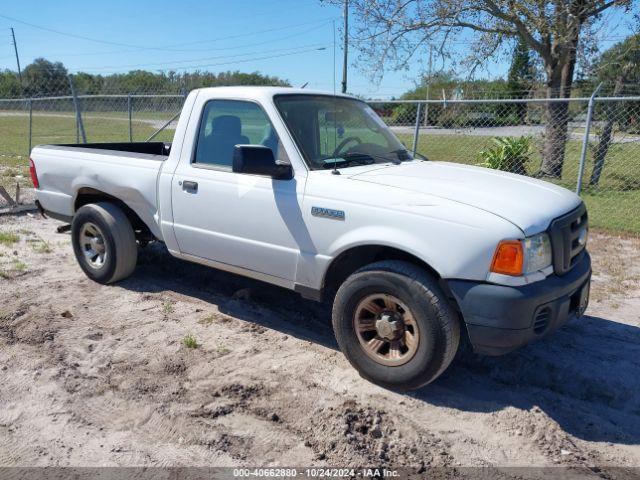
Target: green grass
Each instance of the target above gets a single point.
(60, 127)
(10, 271)
(614, 211)
(614, 205)
(190, 341)
(19, 266)
(167, 307)
(8, 238)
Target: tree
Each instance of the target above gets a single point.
(394, 30)
(519, 78)
(42, 78)
(46, 78)
(9, 84)
(618, 65)
(448, 83)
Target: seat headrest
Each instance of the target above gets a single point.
(226, 125)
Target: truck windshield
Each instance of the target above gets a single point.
(338, 131)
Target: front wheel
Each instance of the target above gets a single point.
(394, 324)
(104, 242)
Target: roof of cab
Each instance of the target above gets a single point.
(254, 92)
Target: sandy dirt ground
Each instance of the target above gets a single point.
(100, 375)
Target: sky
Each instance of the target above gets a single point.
(291, 39)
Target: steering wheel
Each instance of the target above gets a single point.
(344, 143)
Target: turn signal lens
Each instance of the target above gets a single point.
(509, 258)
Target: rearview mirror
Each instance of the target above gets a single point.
(259, 160)
(336, 117)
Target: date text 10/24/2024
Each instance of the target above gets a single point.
(315, 472)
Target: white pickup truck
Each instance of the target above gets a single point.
(314, 193)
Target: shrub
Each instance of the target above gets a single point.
(509, 154)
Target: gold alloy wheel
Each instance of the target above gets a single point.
(386, 329)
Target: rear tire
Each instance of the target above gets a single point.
(104, 242)
(395, 325)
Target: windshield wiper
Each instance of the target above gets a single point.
(374, 156)
(361, 158)
(349, 158)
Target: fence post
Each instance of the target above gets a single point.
(426, 114)
(30, 103)
(417, 130)
(585, 141)
(130, 124)
(76, 103)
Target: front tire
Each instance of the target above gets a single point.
(104, 242)
(395, 325)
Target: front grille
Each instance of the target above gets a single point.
(565, 234)
(541, 320)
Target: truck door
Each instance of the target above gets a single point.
(239, 220)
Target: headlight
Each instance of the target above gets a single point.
(521, 257)
(537, 253)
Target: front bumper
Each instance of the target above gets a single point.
(501, 318)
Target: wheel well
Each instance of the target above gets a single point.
(88, 195)
(357, 257)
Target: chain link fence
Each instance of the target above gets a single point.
(588, 145)
(591, 146)
(94, 118)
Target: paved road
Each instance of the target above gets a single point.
(506, 131)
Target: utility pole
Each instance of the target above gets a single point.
(15, 47)
(346, 46)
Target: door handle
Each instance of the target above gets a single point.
(189, 186)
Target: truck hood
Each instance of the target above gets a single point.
(528, 203)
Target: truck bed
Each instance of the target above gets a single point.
(144, 148)
(126, 171)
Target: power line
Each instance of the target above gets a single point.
(248, 59)
(202, 59)
(324, 21)
(167, 47)
(194, 67)
(72, 35)
(208, 49)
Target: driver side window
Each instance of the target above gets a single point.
(227, 123)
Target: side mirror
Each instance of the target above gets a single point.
(259, 160)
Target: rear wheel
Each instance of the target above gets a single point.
(395, 325)
(104, 242)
